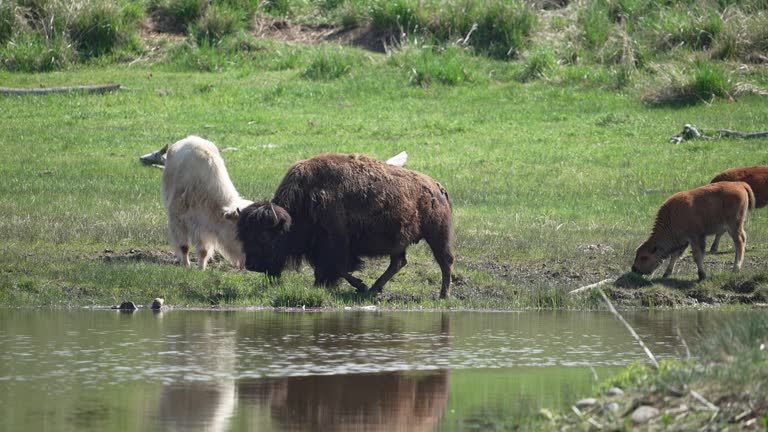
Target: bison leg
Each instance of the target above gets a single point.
(443, 252)
(739, 237)
(697, 249)
(396, 262)
(672, 260)
(182, 252)
(716, 243)
(203, 255)
(359, 285)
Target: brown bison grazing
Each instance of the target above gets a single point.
(756, 177)
(333, 209)
(688, 217)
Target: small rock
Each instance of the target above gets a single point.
(157, 303)
(612, 407)
(585, 403)
(128, 305)
(643, 414)
(615, 391)
(546, 414)
(228, 149)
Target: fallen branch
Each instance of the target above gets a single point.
(692, 132)
(589, 287)
(629, 327)
(47, 90)
(706, 403)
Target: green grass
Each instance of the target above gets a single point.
(554, 181)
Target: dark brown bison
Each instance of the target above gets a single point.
(688, 217)
(756, 177)
(334, 209)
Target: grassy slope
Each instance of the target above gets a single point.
(536, 171)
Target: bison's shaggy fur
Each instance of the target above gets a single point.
(688, 217)
(756, 177)
(334, 209)
(201, 202)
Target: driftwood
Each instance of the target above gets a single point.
(589, 287)
(47, 90)
(692, 132)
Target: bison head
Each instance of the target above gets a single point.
(262, 228)
(648, 258)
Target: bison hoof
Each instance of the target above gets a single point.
(702, 276)
(361, 287)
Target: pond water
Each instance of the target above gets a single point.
(104, 370)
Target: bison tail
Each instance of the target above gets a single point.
(751, 195)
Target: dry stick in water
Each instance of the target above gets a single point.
(613, 310)
(629, 327)
(589, 287)
(682, 340)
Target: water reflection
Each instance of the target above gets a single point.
(200, 404)
(194, 370)
(374, 402)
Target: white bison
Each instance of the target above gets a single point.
(201, 202)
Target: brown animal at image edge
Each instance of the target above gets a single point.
(688, 217)
(331, 210)
(756, 177)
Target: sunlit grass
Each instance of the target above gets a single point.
(537, 172)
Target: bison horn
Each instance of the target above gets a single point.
(274, 213)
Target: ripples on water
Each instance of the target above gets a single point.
(351, 368)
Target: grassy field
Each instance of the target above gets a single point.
(555, 170)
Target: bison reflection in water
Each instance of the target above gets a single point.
(392, 401)
(333, 209)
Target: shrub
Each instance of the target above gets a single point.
(694, 29)
(248, 7)
(503, 28)
(179, 14)
(218, 21)
(398, 17)
(351, 13)
(709, 81)
(706, 82)
(328, 64)
(7, 21)
(48, 17)
(32, 52)
(428, 65)
(620, 49)
(102, 27)
(277, 7)
(743, 38)
(595, 22)
(539, 64)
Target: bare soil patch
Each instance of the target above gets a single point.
(286, 31)
(156, 257)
